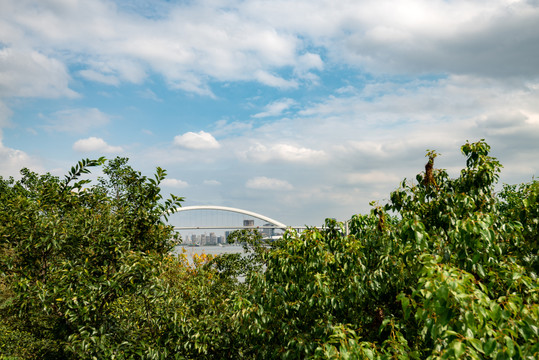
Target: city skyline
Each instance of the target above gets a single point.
(217, 235)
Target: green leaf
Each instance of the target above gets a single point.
(478, 345)
(458, 348)
(489, 346)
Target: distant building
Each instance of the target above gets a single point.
(248, 223)
(268, 232)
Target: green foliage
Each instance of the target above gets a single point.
(234, 266)
(521, 204)
(446, 269)
(452, 275)
(69, 252)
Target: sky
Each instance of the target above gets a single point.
(299, 110)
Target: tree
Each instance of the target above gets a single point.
(69, 253)
(446, 269)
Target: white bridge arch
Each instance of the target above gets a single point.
(275, 223)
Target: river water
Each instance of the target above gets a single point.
(208, 250)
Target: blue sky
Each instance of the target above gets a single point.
(298, 110)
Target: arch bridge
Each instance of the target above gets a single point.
(273, 224)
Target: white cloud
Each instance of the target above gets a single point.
(93, 75)
(275, 81)
(5, 115)
(493, 39)
(149, 94)
(191, 44)
(26, 73)
(111, 69)
(283, 152)
(373, 138)
(94, 144)
(309, 61)
(374, 177)
(175, 183)
(224, 127)
(188, 44)
(275, 108)
(76, 121)
(13, 160)
(189, 83)
(196, 141)
(265, 183)
(472, 58)
(304, 66)
(211, 182)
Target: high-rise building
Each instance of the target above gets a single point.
(248, 223)
(268, 232)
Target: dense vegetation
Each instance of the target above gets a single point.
(446, 269)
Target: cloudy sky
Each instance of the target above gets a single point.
(295, 109)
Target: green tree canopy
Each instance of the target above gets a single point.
(69, 252)
(447, 268)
